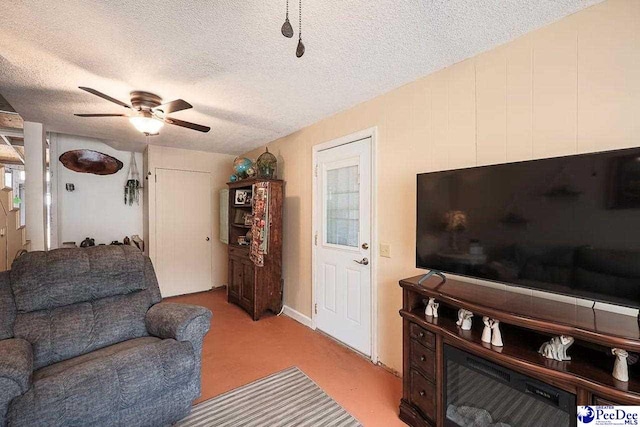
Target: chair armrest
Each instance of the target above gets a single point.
(16, 367)
(182, 322)
(16, 362)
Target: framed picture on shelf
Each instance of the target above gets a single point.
(242, 198)
(248, 218)
(238, 217)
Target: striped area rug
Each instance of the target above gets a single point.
(286, 398)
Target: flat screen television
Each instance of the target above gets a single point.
(567, 225)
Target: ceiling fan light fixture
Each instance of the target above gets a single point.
(149, 114)
(146, 124)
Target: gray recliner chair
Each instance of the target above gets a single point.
(85, 340)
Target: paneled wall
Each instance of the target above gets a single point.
(568, 88)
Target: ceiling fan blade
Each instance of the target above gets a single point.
(187, 125)
(173, 106)
(100, 115)
(103, 96)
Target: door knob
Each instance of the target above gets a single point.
(364, 261)
(207, 239)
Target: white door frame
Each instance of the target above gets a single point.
(356, 136)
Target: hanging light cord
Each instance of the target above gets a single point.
(287, 9)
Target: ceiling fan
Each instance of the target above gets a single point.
(148, 114)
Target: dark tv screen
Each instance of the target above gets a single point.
(567, 225)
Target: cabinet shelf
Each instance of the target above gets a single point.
(590, 366)
(536, 313)
(247, 227)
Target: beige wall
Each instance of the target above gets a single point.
(568, 88)
(219, 166)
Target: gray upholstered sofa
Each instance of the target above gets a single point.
(85, 340)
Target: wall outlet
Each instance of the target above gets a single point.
(385, 250)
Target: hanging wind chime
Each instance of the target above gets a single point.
(287, 29)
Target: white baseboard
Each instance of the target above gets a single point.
(299, 317)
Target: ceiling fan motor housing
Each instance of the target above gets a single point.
(144, 100)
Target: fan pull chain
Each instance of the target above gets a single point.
(286, 29)
(299, 19)
(300, 48)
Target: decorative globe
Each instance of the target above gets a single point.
(233, 178)
(267, 165)
(251, 172)
(240, 166)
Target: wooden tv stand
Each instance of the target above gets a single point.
(526, 323)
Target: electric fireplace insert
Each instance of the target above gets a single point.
(480, 393)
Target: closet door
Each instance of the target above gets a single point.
(183, 231)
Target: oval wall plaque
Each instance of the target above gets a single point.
(89, 161)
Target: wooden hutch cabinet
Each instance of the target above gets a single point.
(255, 288)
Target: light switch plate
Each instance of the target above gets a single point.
(385, 250)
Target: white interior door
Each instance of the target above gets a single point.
(183, 231)
(343, 239)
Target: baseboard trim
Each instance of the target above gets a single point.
(299, 317)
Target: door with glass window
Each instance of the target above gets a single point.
(342, 239)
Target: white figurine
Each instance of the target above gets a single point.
(557, 348)
(620, 367)
(464, 319)
(496, 339)
(431, 310)
(486, 332)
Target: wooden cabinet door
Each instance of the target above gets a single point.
(247, 285)
(235, 277)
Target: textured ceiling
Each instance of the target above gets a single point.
(230, 61)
